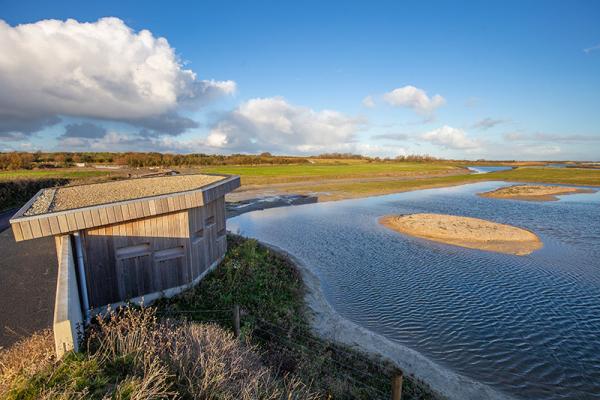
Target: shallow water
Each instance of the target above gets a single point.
(478, 169)
(528, 326)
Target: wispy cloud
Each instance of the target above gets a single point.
(590, 49)
(368, 102)
(549, 137)
(391, 136)
(488, 123)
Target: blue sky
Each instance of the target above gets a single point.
(515, 79)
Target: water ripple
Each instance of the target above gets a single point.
(528, 326)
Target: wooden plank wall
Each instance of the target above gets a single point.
(152, 254)
(137, 257)
(208, 240)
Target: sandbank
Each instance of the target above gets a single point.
(473, 233)
(533, 192)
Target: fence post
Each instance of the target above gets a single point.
(236, 320)
(397, 386)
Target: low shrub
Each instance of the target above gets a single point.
(15, 193)
(134, 355)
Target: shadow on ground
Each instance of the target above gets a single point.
(27, 285)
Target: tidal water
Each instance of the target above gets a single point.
(527, 326)
(478, 169)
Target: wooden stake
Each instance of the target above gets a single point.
(397, 386)
(236, 320)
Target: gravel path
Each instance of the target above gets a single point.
(70, 197)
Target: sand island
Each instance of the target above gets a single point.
(533, 192)
(473, 233)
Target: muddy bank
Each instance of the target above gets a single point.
(473, 233)
(328, 324)
(235, 208)
(533, 192)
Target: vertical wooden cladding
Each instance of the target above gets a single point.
(137, 257)
(208, 241)
(152, 254)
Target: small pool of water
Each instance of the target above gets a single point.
(478, 169)
(527, 326)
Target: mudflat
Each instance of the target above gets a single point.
(533, 192)
(473, 233)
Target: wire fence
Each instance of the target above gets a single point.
(367, 378)
(370, 377)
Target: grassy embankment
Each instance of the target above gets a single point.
(393, 178)
(140, 356)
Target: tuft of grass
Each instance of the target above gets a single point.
(270, 291)
(131, 354)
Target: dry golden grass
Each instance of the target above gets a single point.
(26, 358)
(134, 355)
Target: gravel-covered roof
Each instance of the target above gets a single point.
(72, 197)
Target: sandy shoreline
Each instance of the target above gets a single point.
(533, 192)
(473, 233)
(328, 324)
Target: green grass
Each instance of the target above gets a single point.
(66, 173)
(268, 288)
(307, 172)
(340, 190)
(567, 176)
(75, 373)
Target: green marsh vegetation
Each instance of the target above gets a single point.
(169, 351)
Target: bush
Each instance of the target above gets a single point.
(18, 192)
(134, 355)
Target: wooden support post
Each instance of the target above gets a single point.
(236, 320)
(397, 386)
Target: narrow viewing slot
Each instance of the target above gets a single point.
(221, 232)
(169, 254)
(198, 236)
(133, 251)
(210, 220)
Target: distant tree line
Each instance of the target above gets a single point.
(417, 158)
(26, 160)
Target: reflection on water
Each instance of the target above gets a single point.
(478, 169)
(529, 326)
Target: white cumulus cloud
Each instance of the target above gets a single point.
(368, 102)
(414, 98)
(101, 70)
(273, 124)
(451, 138)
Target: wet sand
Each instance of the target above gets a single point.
(467, 232)
(533, 192)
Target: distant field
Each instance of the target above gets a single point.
(569, 176)
(265, 174)
(66, 173)
(330, 179)
(342, 190)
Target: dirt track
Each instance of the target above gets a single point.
(27, 284)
